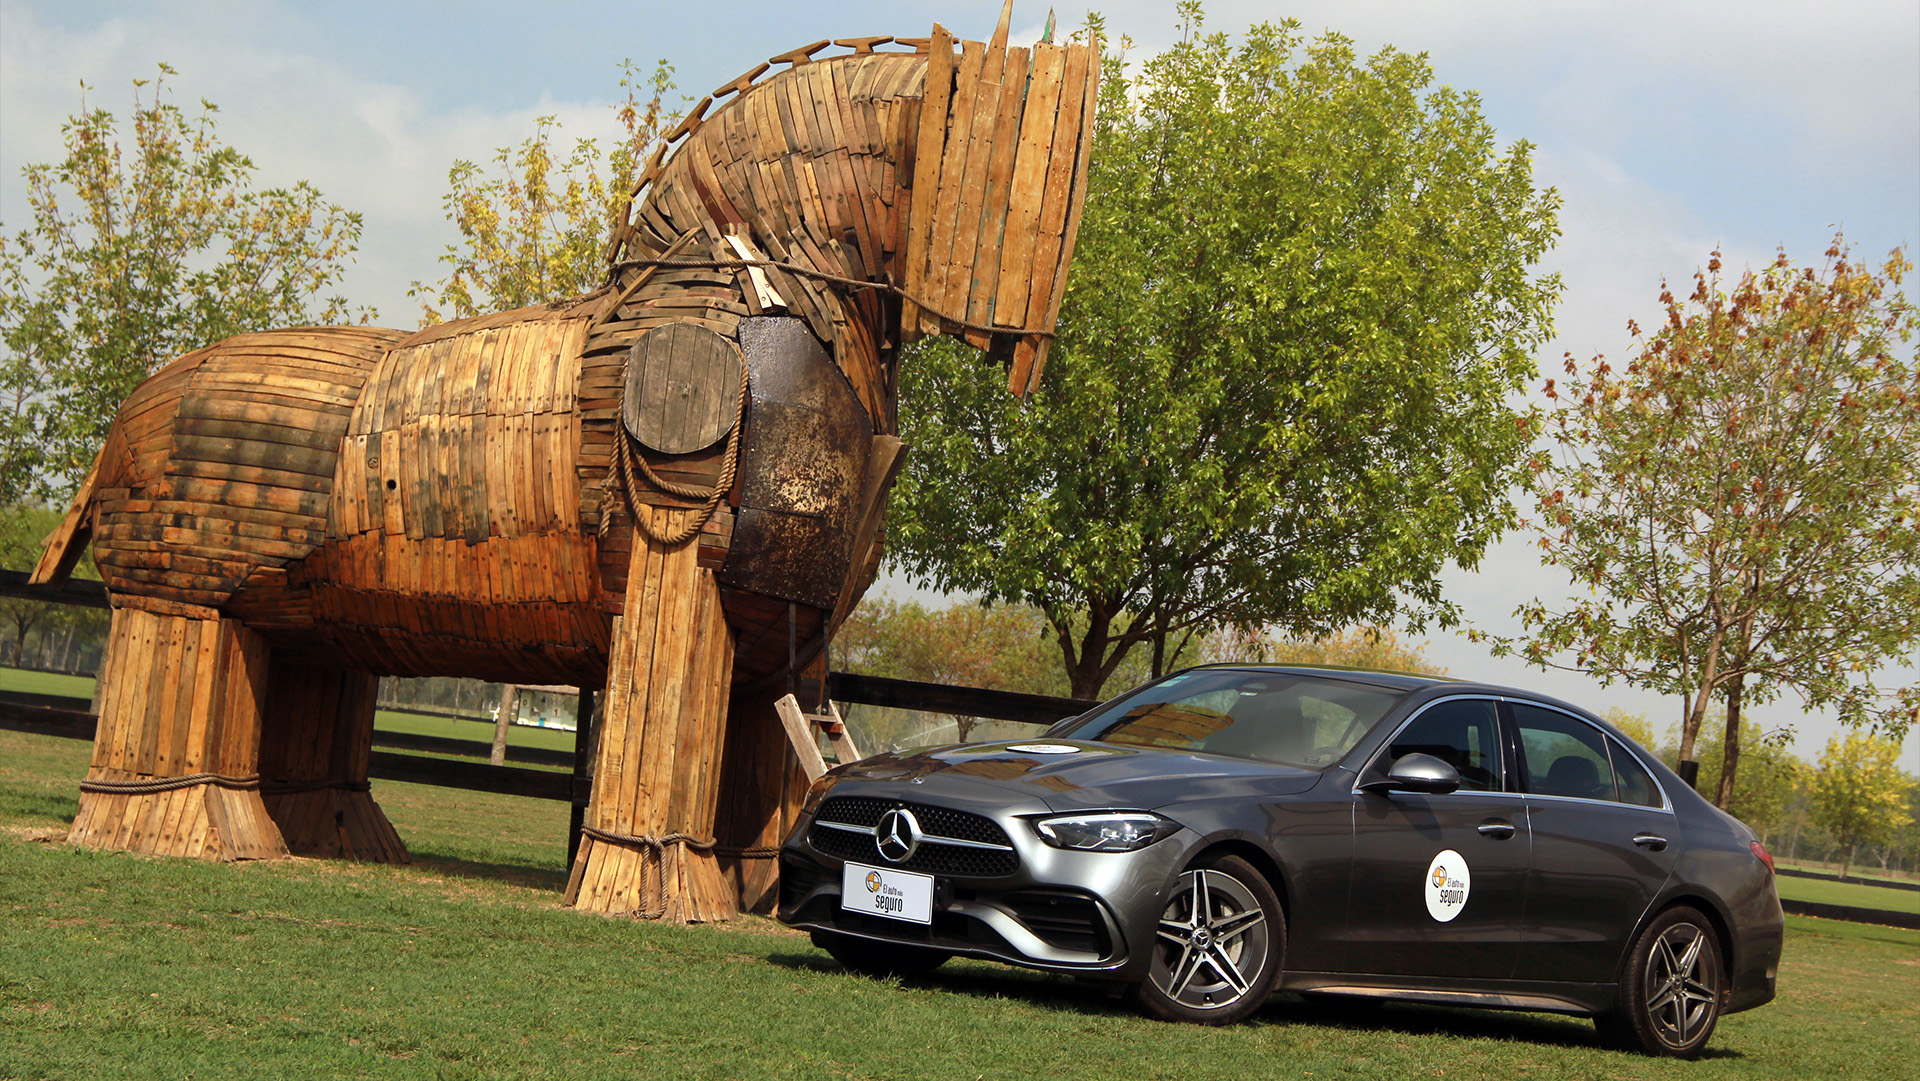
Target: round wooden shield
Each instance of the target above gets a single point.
(683, 388)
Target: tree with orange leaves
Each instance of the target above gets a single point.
(1741, 505)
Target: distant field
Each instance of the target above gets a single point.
(21, 679)
(1866, 872)
(1857, 894)
(464, 966)
(16, 679)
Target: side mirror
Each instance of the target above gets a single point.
(1417, 773)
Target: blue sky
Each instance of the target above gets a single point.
(1668, 128)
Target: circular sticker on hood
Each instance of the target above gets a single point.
(1043, 748)
(1447, 885)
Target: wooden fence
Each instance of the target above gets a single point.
(57, 715)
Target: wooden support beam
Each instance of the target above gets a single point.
(801, 735)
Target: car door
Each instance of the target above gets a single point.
(1604, 842)
(1439, 880)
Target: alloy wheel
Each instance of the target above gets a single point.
(1213, 942)
(1682, 992)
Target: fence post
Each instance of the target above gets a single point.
(583, 741)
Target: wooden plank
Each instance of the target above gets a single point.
(966, 135)
(1028, 189)
(987, 255)
(929, 151)
(1078, 205)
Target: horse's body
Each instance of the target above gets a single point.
(284, 516)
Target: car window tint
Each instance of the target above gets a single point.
(1636, 784)
(1463, 733)
(1562, 755)
(1274, 717)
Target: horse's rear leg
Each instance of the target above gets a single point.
(175, 767)
(315, 742)
(647, 848)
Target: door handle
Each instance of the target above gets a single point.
(1497, 828)
(1652, 841)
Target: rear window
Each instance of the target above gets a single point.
(1290, 719)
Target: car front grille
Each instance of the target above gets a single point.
(932, 857)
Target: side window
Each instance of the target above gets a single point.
(1463, 733)
(1562, 756)
(1636, 784)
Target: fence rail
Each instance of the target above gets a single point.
(72, 718)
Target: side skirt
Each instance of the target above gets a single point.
(1583, 999)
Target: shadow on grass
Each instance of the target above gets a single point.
(512, 874)
(1040, 989)
(1357, 1015)
(54, 808)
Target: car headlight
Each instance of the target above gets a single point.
(1108, 831)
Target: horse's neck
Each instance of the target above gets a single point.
(807, 168)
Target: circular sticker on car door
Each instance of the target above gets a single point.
(1448, 883)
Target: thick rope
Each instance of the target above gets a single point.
(760, 853)
(622, 467)
(836, 279)
(655, 864)
(169, 784)
(656, 845)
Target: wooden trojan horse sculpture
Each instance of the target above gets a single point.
(672, 487)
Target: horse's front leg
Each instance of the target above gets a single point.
(648, 844)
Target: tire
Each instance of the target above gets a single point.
(869, 957)
(1671, 984)
(1219, 945)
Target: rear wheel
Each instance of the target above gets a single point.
(1670, 988)
(1219, 945)
(869, 957)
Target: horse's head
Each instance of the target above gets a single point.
(899, 194)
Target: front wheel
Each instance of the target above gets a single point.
(1219, 945)
(1670, 987)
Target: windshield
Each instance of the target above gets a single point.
(1288, 718)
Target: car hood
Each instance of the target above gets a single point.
(1066, 774)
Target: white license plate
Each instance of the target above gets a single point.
(883, 891)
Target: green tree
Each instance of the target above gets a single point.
(1740, 507)
(1300, 305)
(22, 527)
(1001, 648)
(1859, 794)
(1768, 775)
(1378, 648)
(537, 229)
(139, 253)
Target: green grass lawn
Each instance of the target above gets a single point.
(464, 965)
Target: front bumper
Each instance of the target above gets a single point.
(1037, 907)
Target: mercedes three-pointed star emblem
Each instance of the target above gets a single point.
(898, 835)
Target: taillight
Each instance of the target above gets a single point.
(1760, 853)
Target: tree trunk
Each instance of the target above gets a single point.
(1730, 758)
(1846, 864)
(1690, 728)
(509, 705)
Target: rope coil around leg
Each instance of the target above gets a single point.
(622, 467)
(170, 784)
(656, 863)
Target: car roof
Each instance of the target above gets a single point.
(1399, 681)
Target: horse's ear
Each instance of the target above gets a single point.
(1000, 172)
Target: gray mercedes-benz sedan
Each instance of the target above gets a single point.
(1233, 830)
